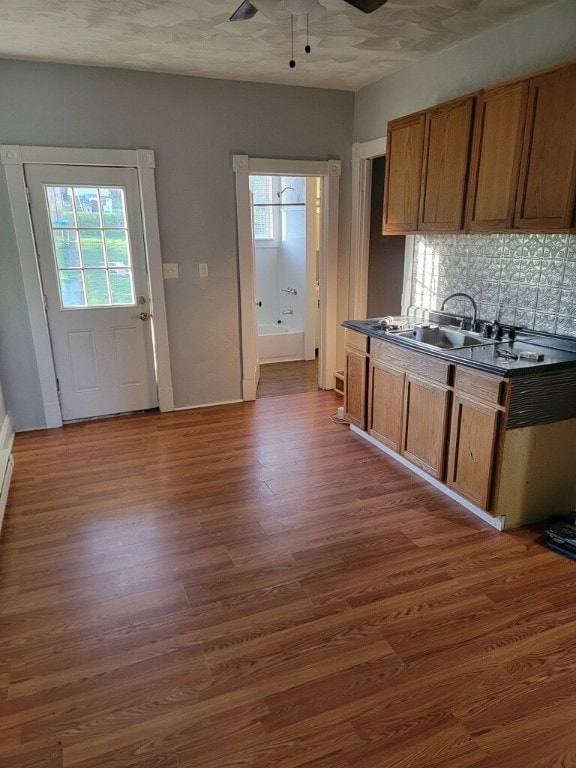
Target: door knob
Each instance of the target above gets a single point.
(143, 315)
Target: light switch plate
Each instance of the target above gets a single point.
(203, 270)
(170, 271)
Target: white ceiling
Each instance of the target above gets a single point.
(350, 49)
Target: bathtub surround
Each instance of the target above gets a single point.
(525, 280)
(279, 343)
(283, 274)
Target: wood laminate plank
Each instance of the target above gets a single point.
(253, 585)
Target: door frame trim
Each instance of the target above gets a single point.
(329, 171)
(14, 158)
(362, 155)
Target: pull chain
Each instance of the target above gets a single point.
(307, 46)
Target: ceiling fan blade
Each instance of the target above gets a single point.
(244, 12)
(367, 6)
(316, 14)
(268, 8)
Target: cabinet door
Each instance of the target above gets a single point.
(472, 452)
(547, 187)
(355, 388)
(445, 172)
(403, 175)
(495, 162)
(385, 404)
(426, 411)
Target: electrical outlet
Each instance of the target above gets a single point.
(170, 271)
(203, 270)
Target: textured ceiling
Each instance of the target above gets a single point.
(350, 49)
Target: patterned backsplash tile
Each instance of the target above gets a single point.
(524, 280)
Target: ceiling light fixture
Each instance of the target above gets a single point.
(297, 9)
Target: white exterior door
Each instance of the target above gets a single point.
(88, 230)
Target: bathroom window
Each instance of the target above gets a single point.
(262, 188)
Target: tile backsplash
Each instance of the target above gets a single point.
(524, 280)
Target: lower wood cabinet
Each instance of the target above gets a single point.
(355, 377)
(474, 432)
(426, 412)
(355, 388)
(458, 424)
(445, 418)
(386, 404)
(478, 414)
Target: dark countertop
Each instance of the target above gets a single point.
(559, 351)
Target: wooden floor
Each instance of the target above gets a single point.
(253, 586)
(291, 378)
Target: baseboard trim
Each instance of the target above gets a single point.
(6, 463)
(5, 488)
(497, 522)
(206, 405)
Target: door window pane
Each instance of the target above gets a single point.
(97, 287)
(121, 286)
(72, 288)
(61, 206)
(66, 247)
(87, 204)
(117, 248)
(112, 205)
(91, 246)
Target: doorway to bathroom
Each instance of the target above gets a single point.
(286, 232)
(304, 197)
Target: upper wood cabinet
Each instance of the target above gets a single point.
(426, 169)
(495, 158)
(518, 173)
(445, 167)
(547, 188)
(403, 178)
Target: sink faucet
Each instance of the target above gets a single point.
(471, 300)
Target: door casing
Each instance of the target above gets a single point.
(14, 158)
(363, 154)
(329, 171)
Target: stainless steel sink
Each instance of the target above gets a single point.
(445, 338)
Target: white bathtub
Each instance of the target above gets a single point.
(278, 343)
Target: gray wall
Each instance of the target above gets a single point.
(386, 254)
(18, 372)
(536, 41)
(194, 125)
